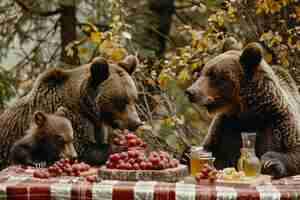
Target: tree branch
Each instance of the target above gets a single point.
(41, 14)
(183, 7)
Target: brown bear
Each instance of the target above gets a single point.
(49, 138)
(244, 94)
(96, 95)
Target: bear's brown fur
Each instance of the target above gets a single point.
(49, 138)
(244, 94)
(94, 96)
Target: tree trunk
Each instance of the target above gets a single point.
(150, 22)
(68, 33)
(163, 10)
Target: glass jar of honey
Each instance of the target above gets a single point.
(249, 162)
(199, 157)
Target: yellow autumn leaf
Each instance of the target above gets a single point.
(297, 12)
(184, 75)
(290, 41)
(220, 21)
(285, 2)
(96, 37)
(266, 36)
(298, 45)
(169, 121)
(87, 29)
(82, 50)
(93, 27)
(285, 62)
(195, 65)
(202, 45)
(231, 10)
(258, 10)
(118, 54)
(276, 40)
(263, 6)
(106, 45)
(275, 7)
(268, 57)
(69, 50)
(163, 80)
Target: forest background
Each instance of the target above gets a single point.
(172, 38)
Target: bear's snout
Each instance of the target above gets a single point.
(133, 126)
(191, 94)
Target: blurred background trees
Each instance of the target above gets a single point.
(172, 38)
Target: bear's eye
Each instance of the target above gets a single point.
(121, 103)
(59, 140)
(212, 75)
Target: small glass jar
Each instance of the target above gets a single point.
(199, 157)
(249, 162)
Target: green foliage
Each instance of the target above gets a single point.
(6, 89)
(200, 30)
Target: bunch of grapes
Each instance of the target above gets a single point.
(137, 160)
(70, 168)
(207, 173)
(41, 174)
(64, 167)
(129, 140)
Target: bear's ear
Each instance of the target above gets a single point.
(251, 58)
(99, 71)
(61, 111)
(129, 63)
(39, 118)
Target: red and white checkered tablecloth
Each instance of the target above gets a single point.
(16, 184)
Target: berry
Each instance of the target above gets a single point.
(136, 166)
(138, 142)
(116, 141)
(123, 155)
(130, 136)
(91, 179)
(143, 165)
(115, 157)
(154, 160)
(132, 142)
(134, 158)
(132, 153)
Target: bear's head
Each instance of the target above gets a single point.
(219, 84)
(111, 93)
(52, 135)
(49, 137)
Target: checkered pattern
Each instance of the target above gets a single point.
(18, 184)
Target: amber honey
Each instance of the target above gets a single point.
(197, 164)
(198, 159)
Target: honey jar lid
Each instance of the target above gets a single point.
(200, 152)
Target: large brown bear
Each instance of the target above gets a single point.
(244, 94)
(49, 138)
(95, 96)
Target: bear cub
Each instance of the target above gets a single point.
(49, 138)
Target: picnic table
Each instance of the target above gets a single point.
(19, 184)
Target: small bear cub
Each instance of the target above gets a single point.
(49, 138)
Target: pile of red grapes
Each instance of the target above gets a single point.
(137, 160)
(133, 157)
(64, 167)
(129, 140)
(207, 172)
